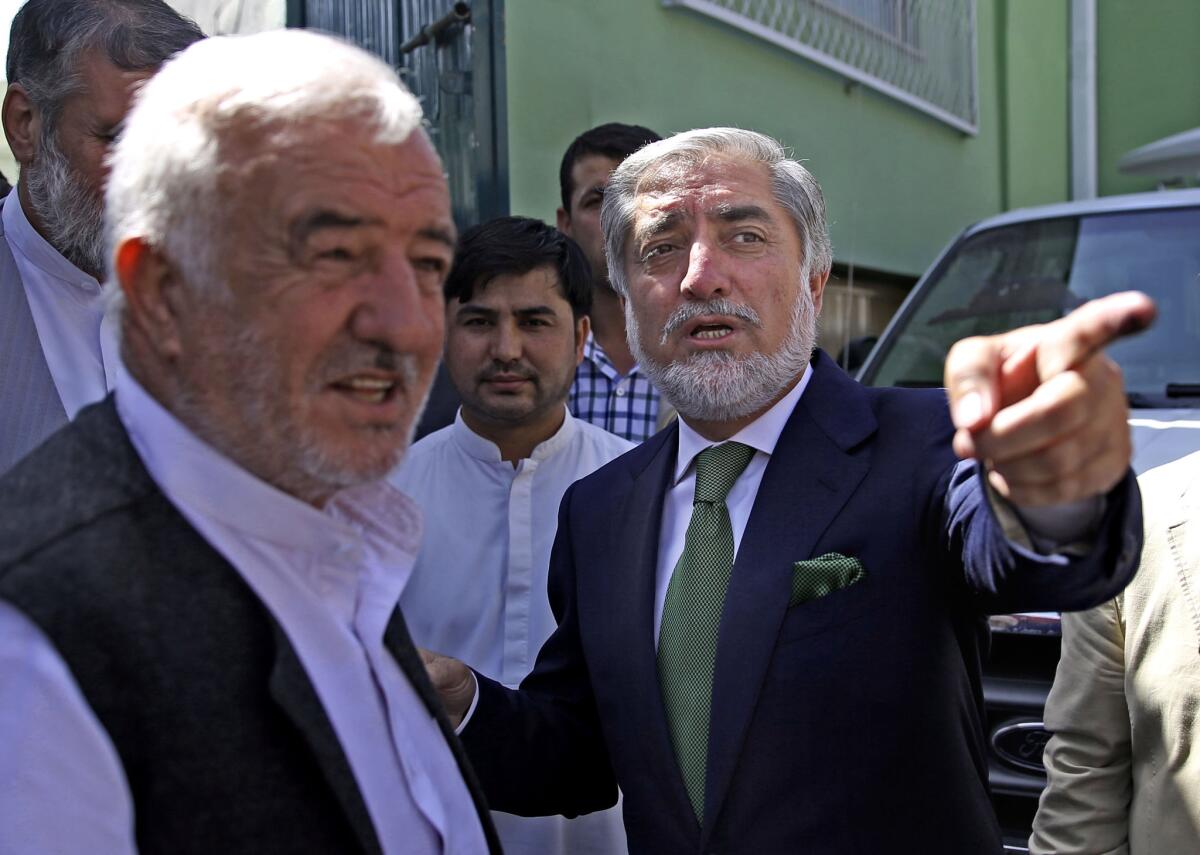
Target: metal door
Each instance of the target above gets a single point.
(450, 54)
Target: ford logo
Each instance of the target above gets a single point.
(1020, 745)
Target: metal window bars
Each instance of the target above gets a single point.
(450, 56)
(919, 52)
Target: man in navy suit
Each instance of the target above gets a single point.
(771, 615)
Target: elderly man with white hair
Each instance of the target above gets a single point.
(200, 649)
(771, 615)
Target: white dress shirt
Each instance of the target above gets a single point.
(1050, 528)
(77, 338)
(331, 578)
(478, 591)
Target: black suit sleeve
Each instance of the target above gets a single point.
(539, 750)
(1001, 577)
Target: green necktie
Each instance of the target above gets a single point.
(687, 640)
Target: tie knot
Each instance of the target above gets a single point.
(718, 467)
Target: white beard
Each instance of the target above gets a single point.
(272, 439)
(717, 386)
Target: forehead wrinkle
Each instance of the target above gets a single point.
(660, 212)
(655, 222)
(728, 212)
(324, 219)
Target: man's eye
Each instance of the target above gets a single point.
(748, 237)
(536, 322)
(337, 253)
(657, 251)
(474, 322)
(431, 265)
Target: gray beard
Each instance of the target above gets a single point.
(72, 218)
(268, 440)
(719, 387)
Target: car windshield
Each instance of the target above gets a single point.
(1034, 272)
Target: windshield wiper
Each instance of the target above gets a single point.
(1142, 401)
(1170, 398)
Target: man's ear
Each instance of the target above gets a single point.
(22, 123)
(153, 294)
(583, 325)
(563, 220)
(816, 283)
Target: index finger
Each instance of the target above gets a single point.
(1072, 340)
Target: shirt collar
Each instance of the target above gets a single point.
(24, 241)
(193, 475)
(762, 434)
(594, 353)
(484, 449)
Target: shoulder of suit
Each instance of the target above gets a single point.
(1168, 491)
(628, 463)
(905, 398)
(1171, 478)
(82, 473)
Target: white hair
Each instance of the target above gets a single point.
(165, 167)
(794, 188)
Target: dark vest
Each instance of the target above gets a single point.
(223, 740)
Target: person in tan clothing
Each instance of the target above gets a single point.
(1126, 699)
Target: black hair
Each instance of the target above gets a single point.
(514, 246)
(49, 36)
(615, 140)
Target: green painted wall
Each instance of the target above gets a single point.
(899, 184)
(1033, 47)
(1147, 80)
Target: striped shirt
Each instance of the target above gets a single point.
(625, 405)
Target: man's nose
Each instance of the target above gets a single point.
(507, 344)
(394, 312)
(706, 276)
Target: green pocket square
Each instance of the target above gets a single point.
(817, 577)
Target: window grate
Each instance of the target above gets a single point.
(919, 52)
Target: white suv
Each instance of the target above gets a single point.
(1032, 266)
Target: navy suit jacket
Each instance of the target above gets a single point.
(841, 725)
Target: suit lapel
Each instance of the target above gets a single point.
(629, 614)
(294, 692)
(399, 643)
(808, 479)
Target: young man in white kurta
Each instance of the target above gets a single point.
(490, 484)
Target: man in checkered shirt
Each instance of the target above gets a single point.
(610, 390)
